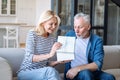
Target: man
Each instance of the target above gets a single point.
(89, 53)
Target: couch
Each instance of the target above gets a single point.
(11, 58)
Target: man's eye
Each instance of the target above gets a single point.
(80, 26)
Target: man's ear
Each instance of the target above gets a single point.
(89, 27)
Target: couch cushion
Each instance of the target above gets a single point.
(5, 70)
(14, 56)
(62, 76)
(115, 72)
(112, 57)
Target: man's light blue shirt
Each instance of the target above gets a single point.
(94, 51)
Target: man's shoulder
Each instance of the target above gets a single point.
(95, 36)
(70, 33)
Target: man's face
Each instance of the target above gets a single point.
(81, 27)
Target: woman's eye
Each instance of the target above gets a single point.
(55, 24)
(50, 24)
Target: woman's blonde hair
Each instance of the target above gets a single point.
(45, 16)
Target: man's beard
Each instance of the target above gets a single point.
(84, 35)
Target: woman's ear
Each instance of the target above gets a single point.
(42, 24)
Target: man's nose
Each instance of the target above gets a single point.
(76, 29)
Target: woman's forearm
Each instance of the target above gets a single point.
(53, 63)
(41, 57)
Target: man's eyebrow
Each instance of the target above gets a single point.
(80, 25)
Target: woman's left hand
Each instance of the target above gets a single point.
(55, 47)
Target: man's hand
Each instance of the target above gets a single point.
(72, 72)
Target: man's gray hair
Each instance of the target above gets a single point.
(86, 17)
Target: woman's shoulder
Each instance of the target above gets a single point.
(32, 32)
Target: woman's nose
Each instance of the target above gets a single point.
(53, 26)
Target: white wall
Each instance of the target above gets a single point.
(42, 5)
(29, 11)
(26, 11)
(7, 19)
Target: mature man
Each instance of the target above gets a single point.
(89, 53)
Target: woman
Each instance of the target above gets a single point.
(40, 47)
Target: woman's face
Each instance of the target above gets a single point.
(50, 25)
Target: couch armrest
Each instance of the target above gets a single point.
(112, 57)
(5, 70)
(14, 56)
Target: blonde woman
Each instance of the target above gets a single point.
(40, 47)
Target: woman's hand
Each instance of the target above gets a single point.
(55, 47)
(54, 63)
(65, 61)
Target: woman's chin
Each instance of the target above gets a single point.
(50, 32)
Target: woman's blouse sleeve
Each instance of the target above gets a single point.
(30, 45)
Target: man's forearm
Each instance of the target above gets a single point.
(90, 66)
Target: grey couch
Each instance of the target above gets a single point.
(11, 58)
